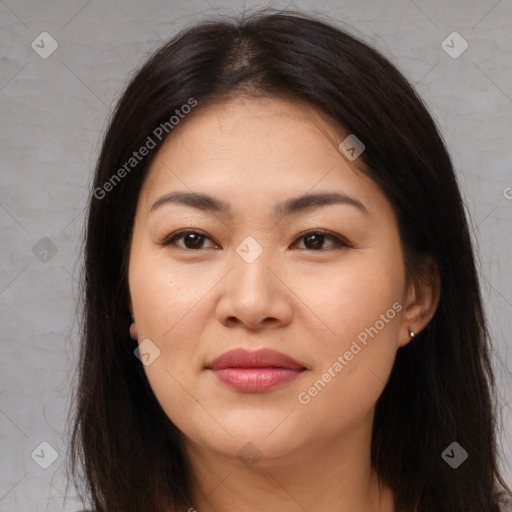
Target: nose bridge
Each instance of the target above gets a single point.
(250, 263)
(250, 250)
(252, 293)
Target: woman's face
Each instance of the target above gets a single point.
(319, 280)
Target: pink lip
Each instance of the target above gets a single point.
(255, 371)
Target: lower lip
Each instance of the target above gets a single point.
(256, 380)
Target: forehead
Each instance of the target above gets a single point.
(256, 150)
(275, 126)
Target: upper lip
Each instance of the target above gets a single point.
(262, 358)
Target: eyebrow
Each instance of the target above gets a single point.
(208, 203)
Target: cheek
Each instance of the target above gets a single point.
(169, 305)
(353, 296)
(166, 308)
(162, 296)
(360, 303)
(352, 368)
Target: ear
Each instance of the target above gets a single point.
(133, 325)
(421, 301)
(133, 331)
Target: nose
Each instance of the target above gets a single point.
(255, 295)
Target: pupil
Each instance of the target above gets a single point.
(194, 239)
(317, 240)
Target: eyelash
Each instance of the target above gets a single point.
(338, 242)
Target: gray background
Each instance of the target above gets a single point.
(54, 111)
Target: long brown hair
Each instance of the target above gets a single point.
(125, 451)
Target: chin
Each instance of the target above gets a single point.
(265, 438)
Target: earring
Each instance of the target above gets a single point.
(132, 317)
(411, 333)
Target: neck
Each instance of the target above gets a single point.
(331, 474)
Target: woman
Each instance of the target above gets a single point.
(282, 310)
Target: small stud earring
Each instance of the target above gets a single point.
(133, 319)
(411, 333)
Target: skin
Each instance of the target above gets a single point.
(195, 304)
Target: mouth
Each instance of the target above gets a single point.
(255, 371)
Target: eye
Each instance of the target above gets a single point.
(314, 240)
(192, 239)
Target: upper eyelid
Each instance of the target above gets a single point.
(181, 233)
(337, 239)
